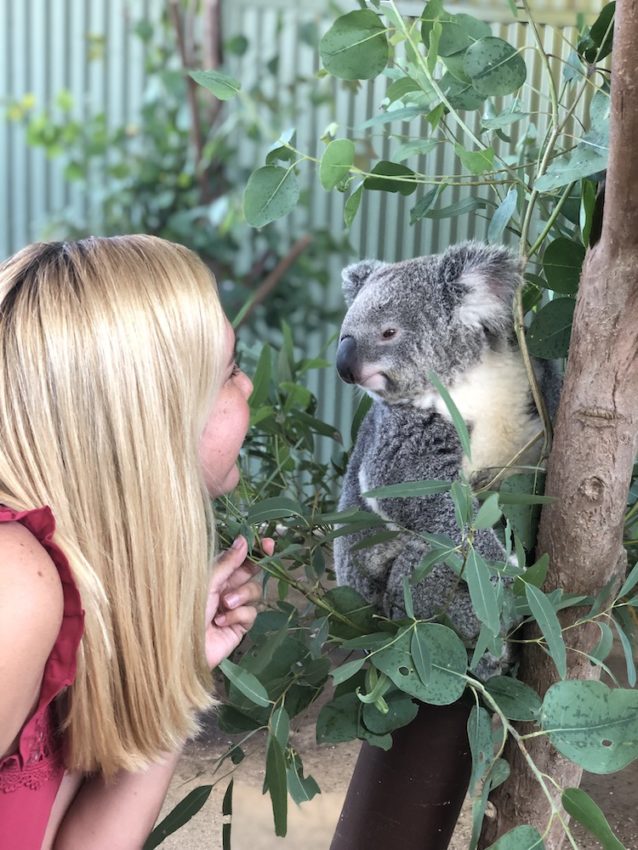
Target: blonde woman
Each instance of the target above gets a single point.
(121, 412)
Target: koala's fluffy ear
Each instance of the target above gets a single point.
(354, 277)
(485, 278)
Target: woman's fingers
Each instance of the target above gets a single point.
(243, 616)
(246, 594)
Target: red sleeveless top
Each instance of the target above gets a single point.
(30, 777)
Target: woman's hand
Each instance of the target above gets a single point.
(232, 597)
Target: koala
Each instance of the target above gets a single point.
(450, 314)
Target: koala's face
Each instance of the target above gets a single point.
(432, 314)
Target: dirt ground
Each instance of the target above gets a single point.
(310, 826)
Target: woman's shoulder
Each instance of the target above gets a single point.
(31, 611)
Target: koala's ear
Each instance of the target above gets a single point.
(485, 278)
(354, 277)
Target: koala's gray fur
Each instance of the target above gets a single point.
(450, 314)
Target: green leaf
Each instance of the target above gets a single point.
(178, 816)
(562, 262)
(630, 582)
(594, 726)
(545, 615)
(520, 838)
(458, 32)
(407, 489)
(261, 378)
(517, 497)
(461, 207)
(374, 540)
(605, 644)
(399, 88)
(422, 206)
(351, 208)
(336, 162)
(580, 806)
(549, 334)
(278, 507)
(601, 34)
(477, 162)
(436, 556)
(536, 575)
(489, 513)
(420, 147)
(245, 682)
(449, 664)
(280, 726)
(227, 811)
(494, 66)
(629, 654)
(501, 217)
(401, 711)
(383, 178)
(280, 150)
(355, 47)
(277, 784)
(301, 788)
(347, 602)
(516, 700)
(421, 656)
(457, 419)
(346, 671)
(483, 592)
(461, 95)
(479, 733)
(271, 192)
(338, 720)
(221, 85)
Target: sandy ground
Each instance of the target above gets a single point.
(310, 826)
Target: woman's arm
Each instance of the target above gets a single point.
(31, 605)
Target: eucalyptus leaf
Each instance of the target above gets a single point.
(489, 513)
(502, 216)
(594, 726)
(479, 733)
(562, 263)
(271, 192)
(449, 663)
(580, 806)
(347, 670)
(516, 700)
(495, 67)
(401, 711)
(545, 615)
(221, 85)
(280, 726)
(520, 838)
(245, 682)
(455, 416)
(178, 816)
(483, 593)
(407, 489)
(278, 507)
(351, 206)
(389, 176)
(276, 781)
(458, 32)
(419, 147)
(355, 47)
(550, 332)
(336, 162)
(477, 162)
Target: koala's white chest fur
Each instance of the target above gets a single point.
(493, 398)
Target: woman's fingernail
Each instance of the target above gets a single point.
(238, 542)
(220, 620)
(231, 601)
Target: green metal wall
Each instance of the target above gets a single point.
(45, 45)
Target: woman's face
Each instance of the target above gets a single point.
(226, 427)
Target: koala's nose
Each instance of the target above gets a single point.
(347, 359)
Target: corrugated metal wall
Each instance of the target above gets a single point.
(45, 46)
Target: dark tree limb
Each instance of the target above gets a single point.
(595, 438)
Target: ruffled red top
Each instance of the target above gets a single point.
(30, 777)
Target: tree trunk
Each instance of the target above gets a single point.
(596, 436)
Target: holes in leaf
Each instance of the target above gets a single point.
(607, 743)
(404, 671)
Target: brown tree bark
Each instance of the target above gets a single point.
(596, 436)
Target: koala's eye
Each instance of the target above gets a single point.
(388, 333)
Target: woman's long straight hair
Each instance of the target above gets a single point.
(111, 355)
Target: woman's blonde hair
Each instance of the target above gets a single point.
(111, 354)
